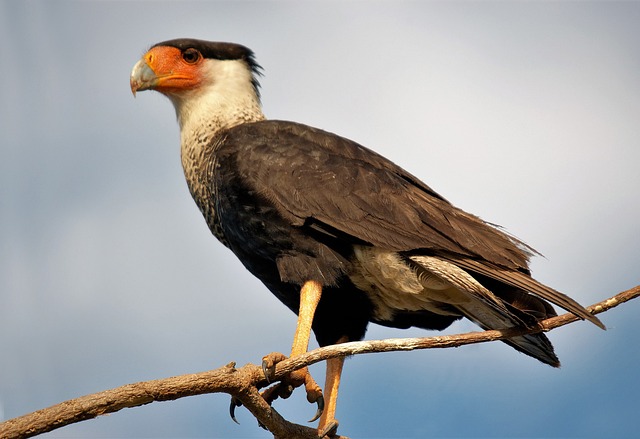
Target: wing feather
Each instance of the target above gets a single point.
(309, 173)
(528, 284)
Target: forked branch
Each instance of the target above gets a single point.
(243, 383)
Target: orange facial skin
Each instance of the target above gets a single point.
(167, 70)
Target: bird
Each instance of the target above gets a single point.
(339, 234)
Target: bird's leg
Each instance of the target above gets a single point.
(309, 298)
(328, 423)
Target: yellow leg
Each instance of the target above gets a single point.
(328, 423)
(309, 298)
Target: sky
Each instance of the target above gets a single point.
(524, 113)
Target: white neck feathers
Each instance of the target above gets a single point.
(226, 97)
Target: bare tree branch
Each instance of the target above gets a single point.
(244, 383)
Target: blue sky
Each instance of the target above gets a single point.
(523, 113)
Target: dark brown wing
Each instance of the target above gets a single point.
(314, 177)
(311, 174)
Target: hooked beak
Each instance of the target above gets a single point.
(142, 77)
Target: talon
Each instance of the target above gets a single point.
(269, 365)
(320, 402)
(232, 408)
(330, 430)
(268, 370)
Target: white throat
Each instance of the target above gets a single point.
(225, 98)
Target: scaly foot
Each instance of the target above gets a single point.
(285, 387)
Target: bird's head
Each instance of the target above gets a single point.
(200, 76)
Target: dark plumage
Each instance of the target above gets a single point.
(292, 201)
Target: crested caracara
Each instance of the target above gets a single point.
(341, 235)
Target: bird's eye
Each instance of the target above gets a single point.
(191, 56)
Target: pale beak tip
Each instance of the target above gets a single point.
(142, 77)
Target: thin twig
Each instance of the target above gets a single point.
(243, 383)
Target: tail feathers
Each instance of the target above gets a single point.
(537, 345)
(483, 307)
